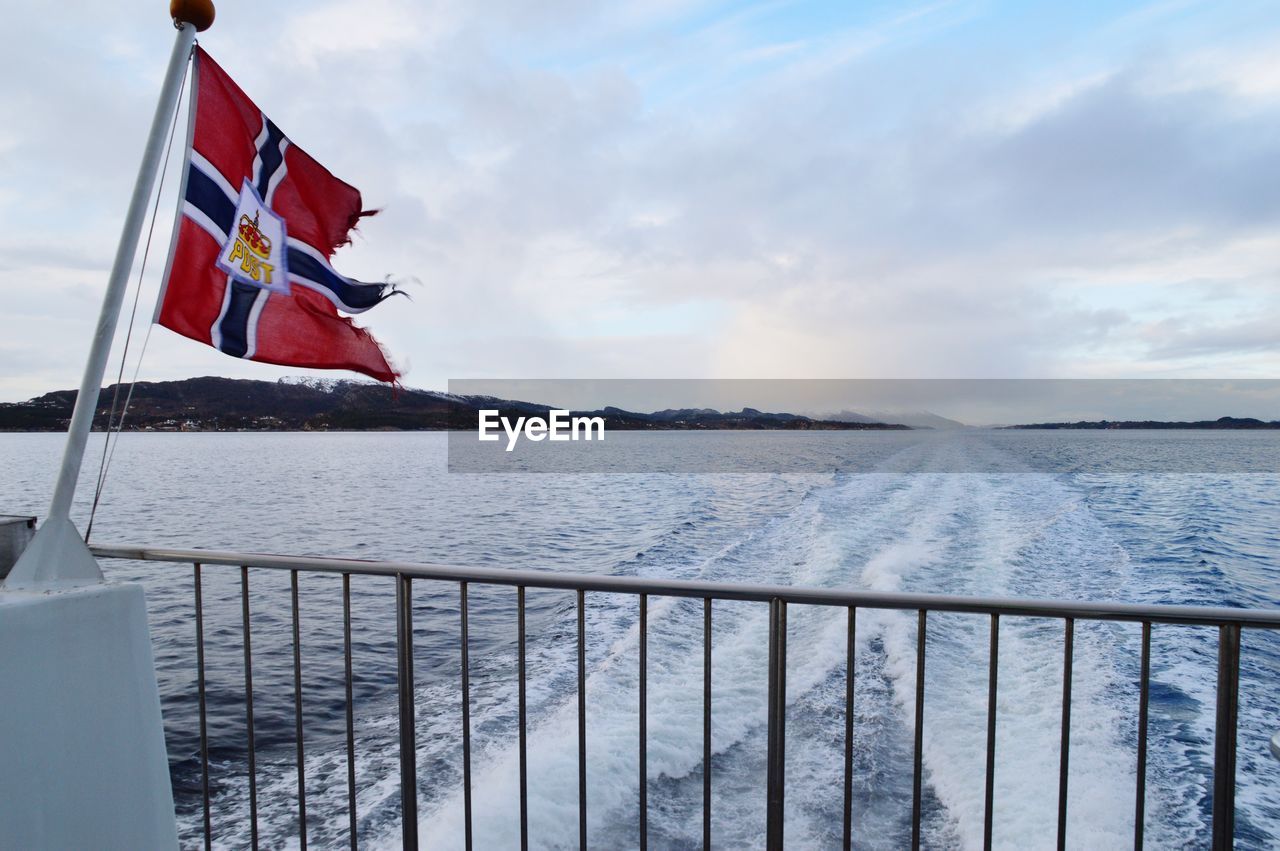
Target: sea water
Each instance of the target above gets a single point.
(974, 512)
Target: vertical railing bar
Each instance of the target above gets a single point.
(1144, 694)
(407, 715)
(1224, 737)
(297, 714)
(917, 772)
(706, 723)
(351, 720)
(644, 721)
(464, 643)
(849, 664)
(1068, 652)
(248, 708)
(993, 669)
(204, 729)
(524, 753)
(776, 760)
(582, 721)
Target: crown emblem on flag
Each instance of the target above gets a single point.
(253, 236)
(254, 247)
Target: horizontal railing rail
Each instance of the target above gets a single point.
(1099, 610)
(1228, 621)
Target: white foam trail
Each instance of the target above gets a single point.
(1028, 718)
(991, 533)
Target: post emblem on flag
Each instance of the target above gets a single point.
(249, 268)
(251, 255)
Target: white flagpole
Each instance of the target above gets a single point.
(27, 570)
(87, 399)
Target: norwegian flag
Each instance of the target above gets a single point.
(248, 269)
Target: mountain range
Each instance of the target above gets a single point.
(915, 419)
(226, 404)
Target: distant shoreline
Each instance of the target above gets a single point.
(1102, 425)
(213, 404)
(1220, 424)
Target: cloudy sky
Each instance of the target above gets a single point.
(685, 188)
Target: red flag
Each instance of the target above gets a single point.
(249, 270)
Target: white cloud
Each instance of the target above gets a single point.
(1247, 71)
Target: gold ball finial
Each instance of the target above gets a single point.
(198, 13)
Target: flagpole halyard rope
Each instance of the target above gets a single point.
(109, 445)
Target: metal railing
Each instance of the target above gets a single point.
(1228, 621)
